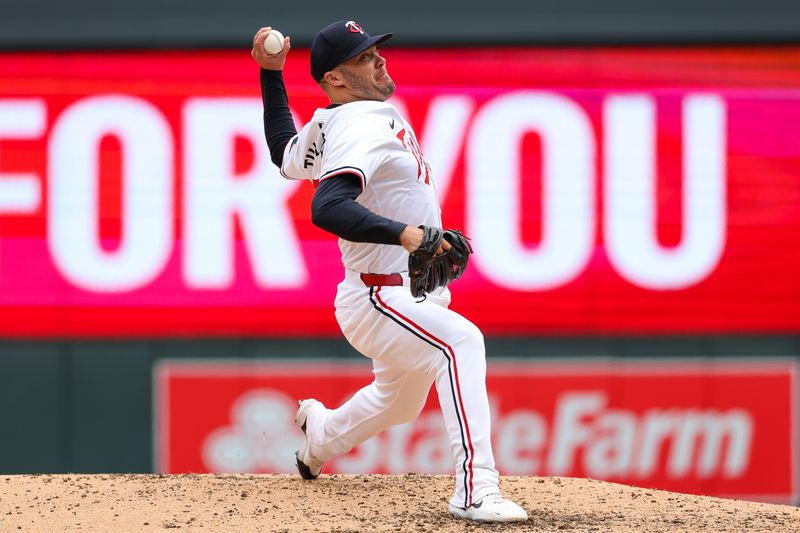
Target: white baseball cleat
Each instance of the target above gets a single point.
(492, 508)
(308, 466)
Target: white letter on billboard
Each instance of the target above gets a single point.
(610, 453)
(214, 194)
(21, 119)
(657, 427)
(520, 437)
(710, 430)
(445, 128)
(147, 192)
(568, 203)
(570, 430)
(630, 192)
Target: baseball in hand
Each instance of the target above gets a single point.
(273, 44)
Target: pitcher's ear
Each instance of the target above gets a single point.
(333, 78)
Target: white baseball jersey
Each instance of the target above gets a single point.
(369, 139)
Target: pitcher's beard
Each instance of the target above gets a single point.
(371, 91)
(388, 90)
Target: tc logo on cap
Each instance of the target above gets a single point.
(354, 27)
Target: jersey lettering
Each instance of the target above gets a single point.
(313, 152)
(411, 146)
(357, 140)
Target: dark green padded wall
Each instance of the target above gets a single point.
(85, 406)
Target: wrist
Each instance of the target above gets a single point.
(410, 238)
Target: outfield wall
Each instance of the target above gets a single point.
(626, 204)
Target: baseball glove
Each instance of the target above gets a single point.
(428, 271)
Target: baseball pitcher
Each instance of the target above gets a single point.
(374, 191)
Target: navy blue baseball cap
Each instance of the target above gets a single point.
(338, 42)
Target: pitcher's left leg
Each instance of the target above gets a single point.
(452, 347)
(461, 386)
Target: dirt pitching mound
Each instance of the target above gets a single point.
(122, 502)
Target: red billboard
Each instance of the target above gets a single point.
(609, 191)
(716, 427)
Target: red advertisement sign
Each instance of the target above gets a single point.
(608, 191)
(716, 427)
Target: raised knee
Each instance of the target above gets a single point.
(472, 337)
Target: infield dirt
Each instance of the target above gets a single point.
(138, 502)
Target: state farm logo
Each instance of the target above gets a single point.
(262, 436)
(582, 435)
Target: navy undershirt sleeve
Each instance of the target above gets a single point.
(334, 209)
(278, 123)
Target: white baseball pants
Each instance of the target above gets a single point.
(412, 345)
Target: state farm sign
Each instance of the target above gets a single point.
(718, 427)
(138, 197)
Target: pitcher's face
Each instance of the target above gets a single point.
(366, 76)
